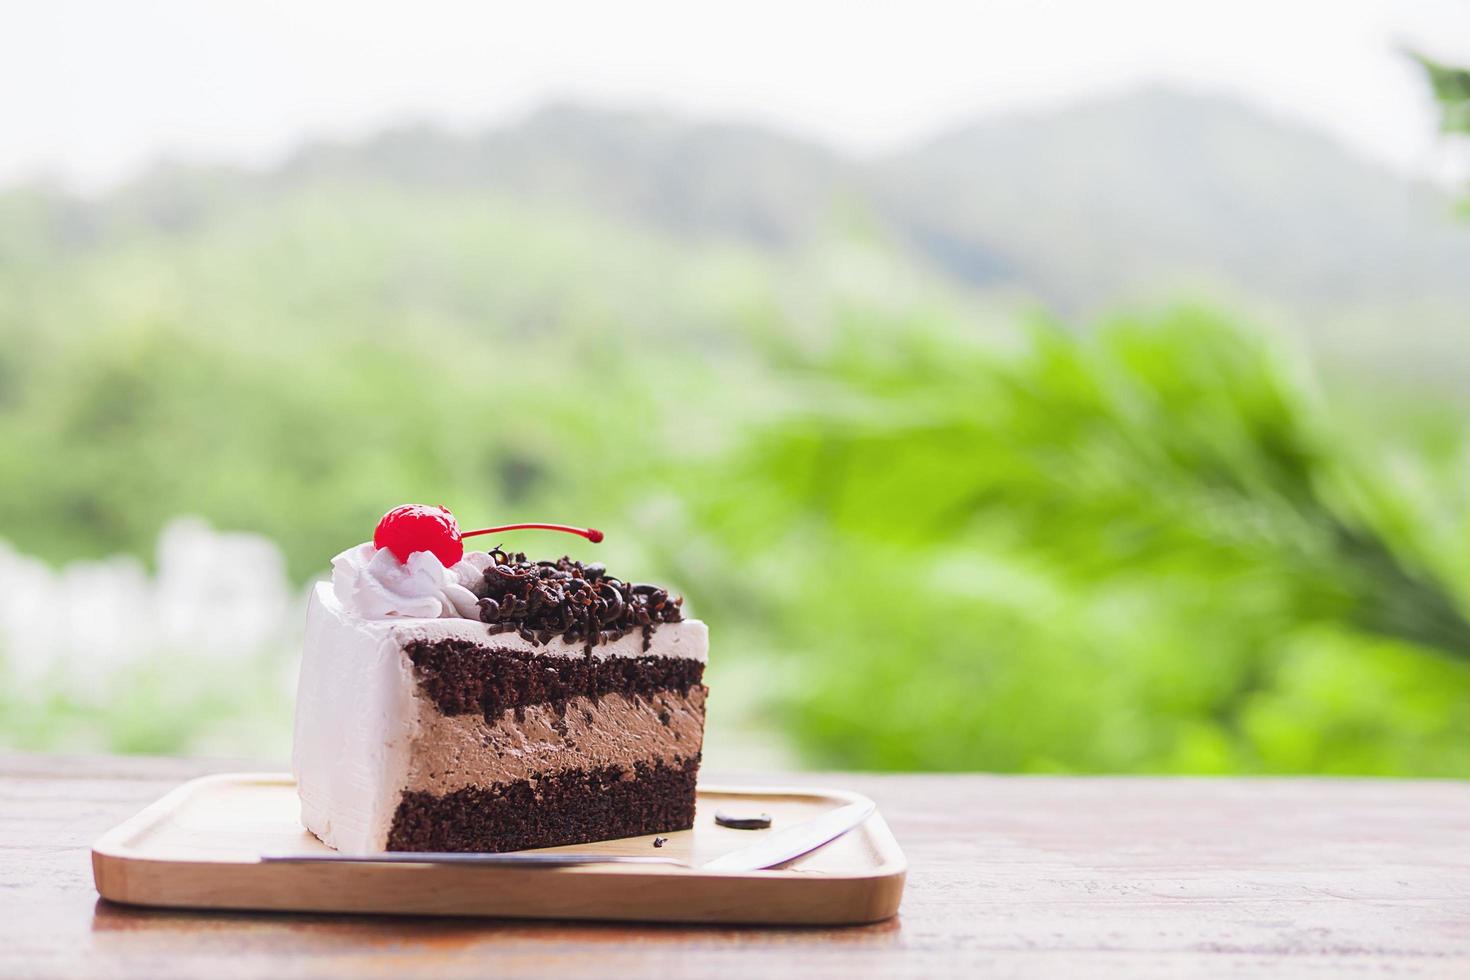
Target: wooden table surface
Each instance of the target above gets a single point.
(1009, 876)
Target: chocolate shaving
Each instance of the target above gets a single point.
(758, 822)
(579, 603)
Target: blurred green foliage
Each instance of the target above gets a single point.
(1150, 549)
(1451, 85)
(922, 539)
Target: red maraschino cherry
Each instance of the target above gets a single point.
(419, 527)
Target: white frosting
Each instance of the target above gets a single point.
(357, 707)
(355, 724)
(372, 583)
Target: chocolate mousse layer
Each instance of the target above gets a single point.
(455, 752)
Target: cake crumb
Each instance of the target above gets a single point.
(660, 841)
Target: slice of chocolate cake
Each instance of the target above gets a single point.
(569, 709)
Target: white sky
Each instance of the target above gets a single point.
(94, 90)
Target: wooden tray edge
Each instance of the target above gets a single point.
(123, 875)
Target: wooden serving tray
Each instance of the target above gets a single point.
(198, 847)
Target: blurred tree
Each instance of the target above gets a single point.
(924, 539)
(1147, 549)
(1451, 86)
(1452, 89)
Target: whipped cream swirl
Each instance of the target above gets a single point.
(372, 583)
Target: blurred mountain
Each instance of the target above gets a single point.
(688, 178)
(1144, 199)
(1141, 198)
(1160, 191)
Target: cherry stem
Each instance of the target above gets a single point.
(590, 533)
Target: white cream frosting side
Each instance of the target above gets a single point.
(687, 639)
(355, 724)
(357, 708)
(372, 583)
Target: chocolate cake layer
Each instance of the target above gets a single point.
(453, 752)
(462, 677)
(572, 807)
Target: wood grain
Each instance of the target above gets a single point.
(1008, 876)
